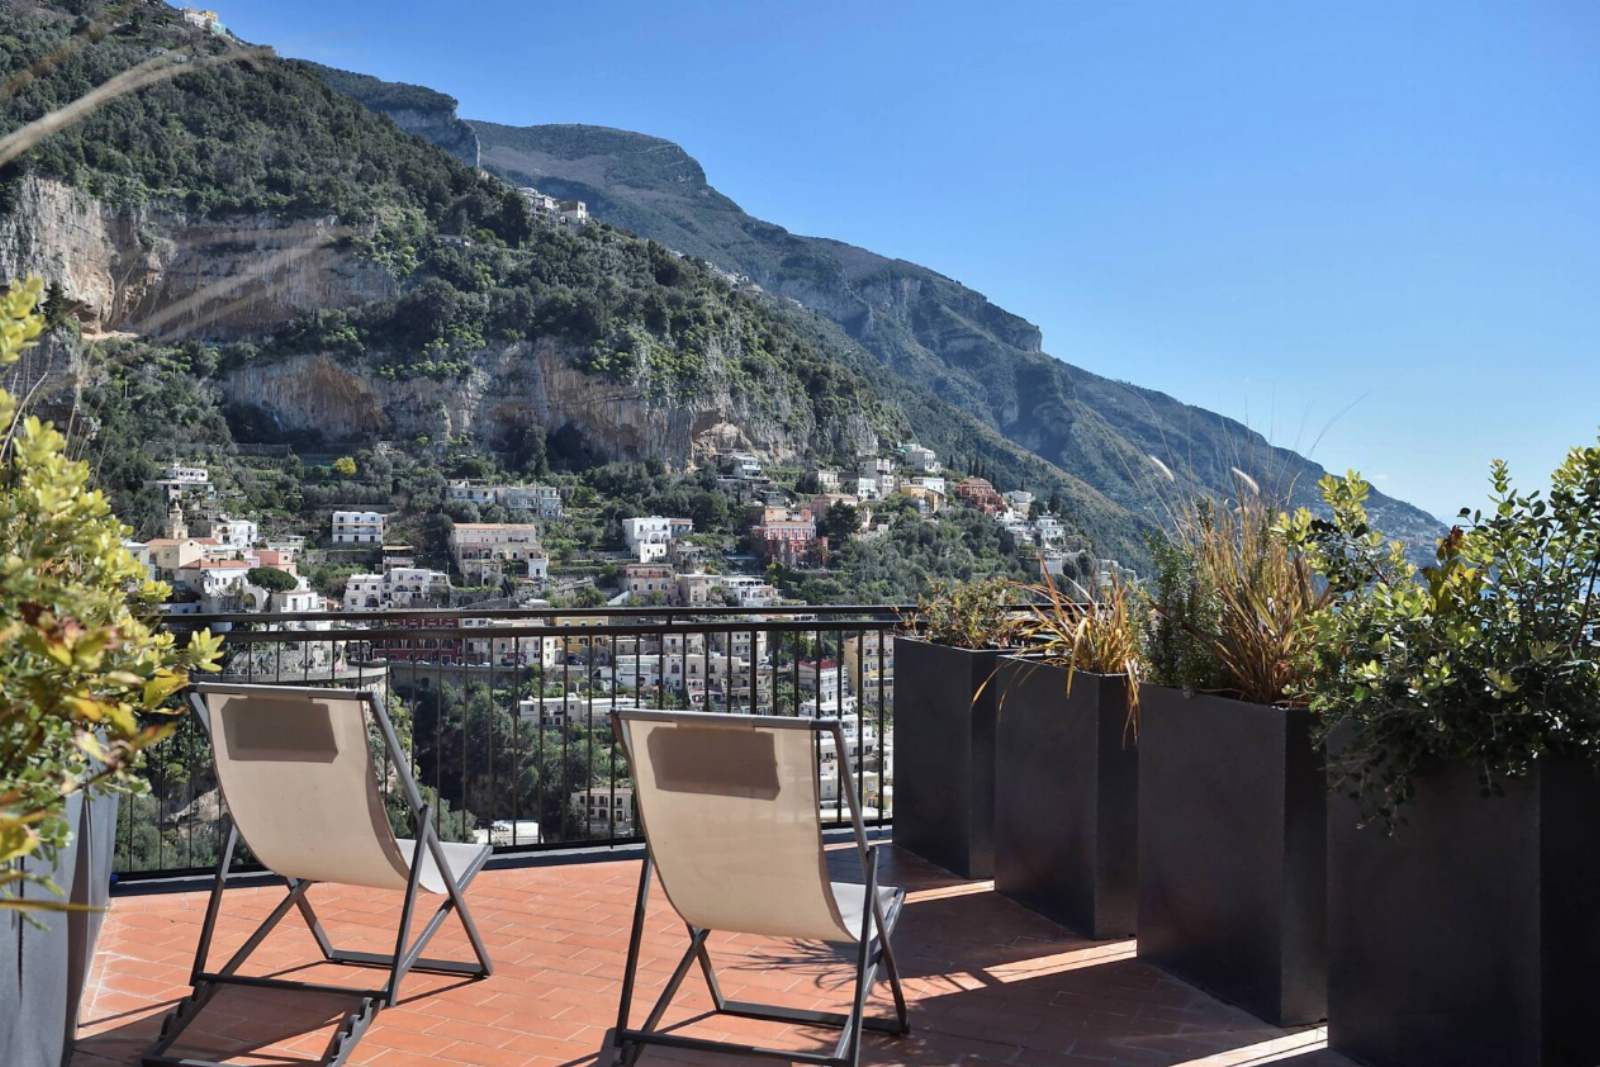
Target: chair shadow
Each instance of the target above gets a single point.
(246, 1021)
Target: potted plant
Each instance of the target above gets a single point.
(1231, 784)
(79, 666)
(1461, 703)
(1066, 790)
(944, 713)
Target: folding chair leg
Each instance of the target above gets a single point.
(892, 973)
(631, 969)
(712, 985)
(309, 914)
(849, 1047)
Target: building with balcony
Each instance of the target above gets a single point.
(648, 536)
(979, 493)
(641, 580)
(487, 552)
(356, 528)
(785, 535)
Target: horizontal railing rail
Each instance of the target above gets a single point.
(507, 724)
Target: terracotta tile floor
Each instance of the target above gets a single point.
(989, 982)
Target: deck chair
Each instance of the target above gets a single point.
(729, 805)
(296, 771)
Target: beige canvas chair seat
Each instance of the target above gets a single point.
(297, 775)
(730, 807)
(851, 900)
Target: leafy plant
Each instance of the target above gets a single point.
(272, 579)
(1100, 631)
(1234, 601)
(1488, 657)
(79, 660)
(974, 615)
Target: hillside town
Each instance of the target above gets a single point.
(217, 560)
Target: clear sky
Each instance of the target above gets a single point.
(1384, 215)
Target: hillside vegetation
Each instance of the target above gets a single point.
(479, 299)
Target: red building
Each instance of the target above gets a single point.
(979, 493)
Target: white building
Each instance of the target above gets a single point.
(297, 600)
(744, 465)
(397, 587)
(657, 530)
(234, 533)
(605, 809)
(541, 500)
(934, 483)
(357, 528)
(486, 646)
(178, 479)
(1019, 499)
(826, 677)
(1049, 530)
(922, 459)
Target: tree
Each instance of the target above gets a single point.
(345, 467)
(271, 579)
(840, 521)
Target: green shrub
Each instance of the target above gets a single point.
(1487, 657)
(80, 661)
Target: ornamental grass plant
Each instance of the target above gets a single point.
(1232, 602)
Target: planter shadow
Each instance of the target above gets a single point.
(1066, 797)
(944, 755)
(1232, 852)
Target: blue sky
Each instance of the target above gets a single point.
(1382, 215)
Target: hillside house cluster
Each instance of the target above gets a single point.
(554, 209)
(543, 501)
(664, 583)
(180, 480)
(210, 572)
(396, 587)
(488, 552)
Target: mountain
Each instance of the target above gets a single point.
(418, 110)
(241, 256)
(926, 328)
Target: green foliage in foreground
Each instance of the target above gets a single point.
(81, 663)
(1488, 657)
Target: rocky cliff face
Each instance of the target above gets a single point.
(160, 273)
(518, 386)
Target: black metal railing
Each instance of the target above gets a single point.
(505, 713)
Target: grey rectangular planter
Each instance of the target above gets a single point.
(944, 755)
(44, 968)
(1066, 820)
(1471, 936)
(1232, 852)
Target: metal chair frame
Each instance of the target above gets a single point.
(401, 962)
(874, 951)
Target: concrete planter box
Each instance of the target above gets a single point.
(1066, 798)
(944, 755)
(1471, 936)
(1232, 852)
(44, 971)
